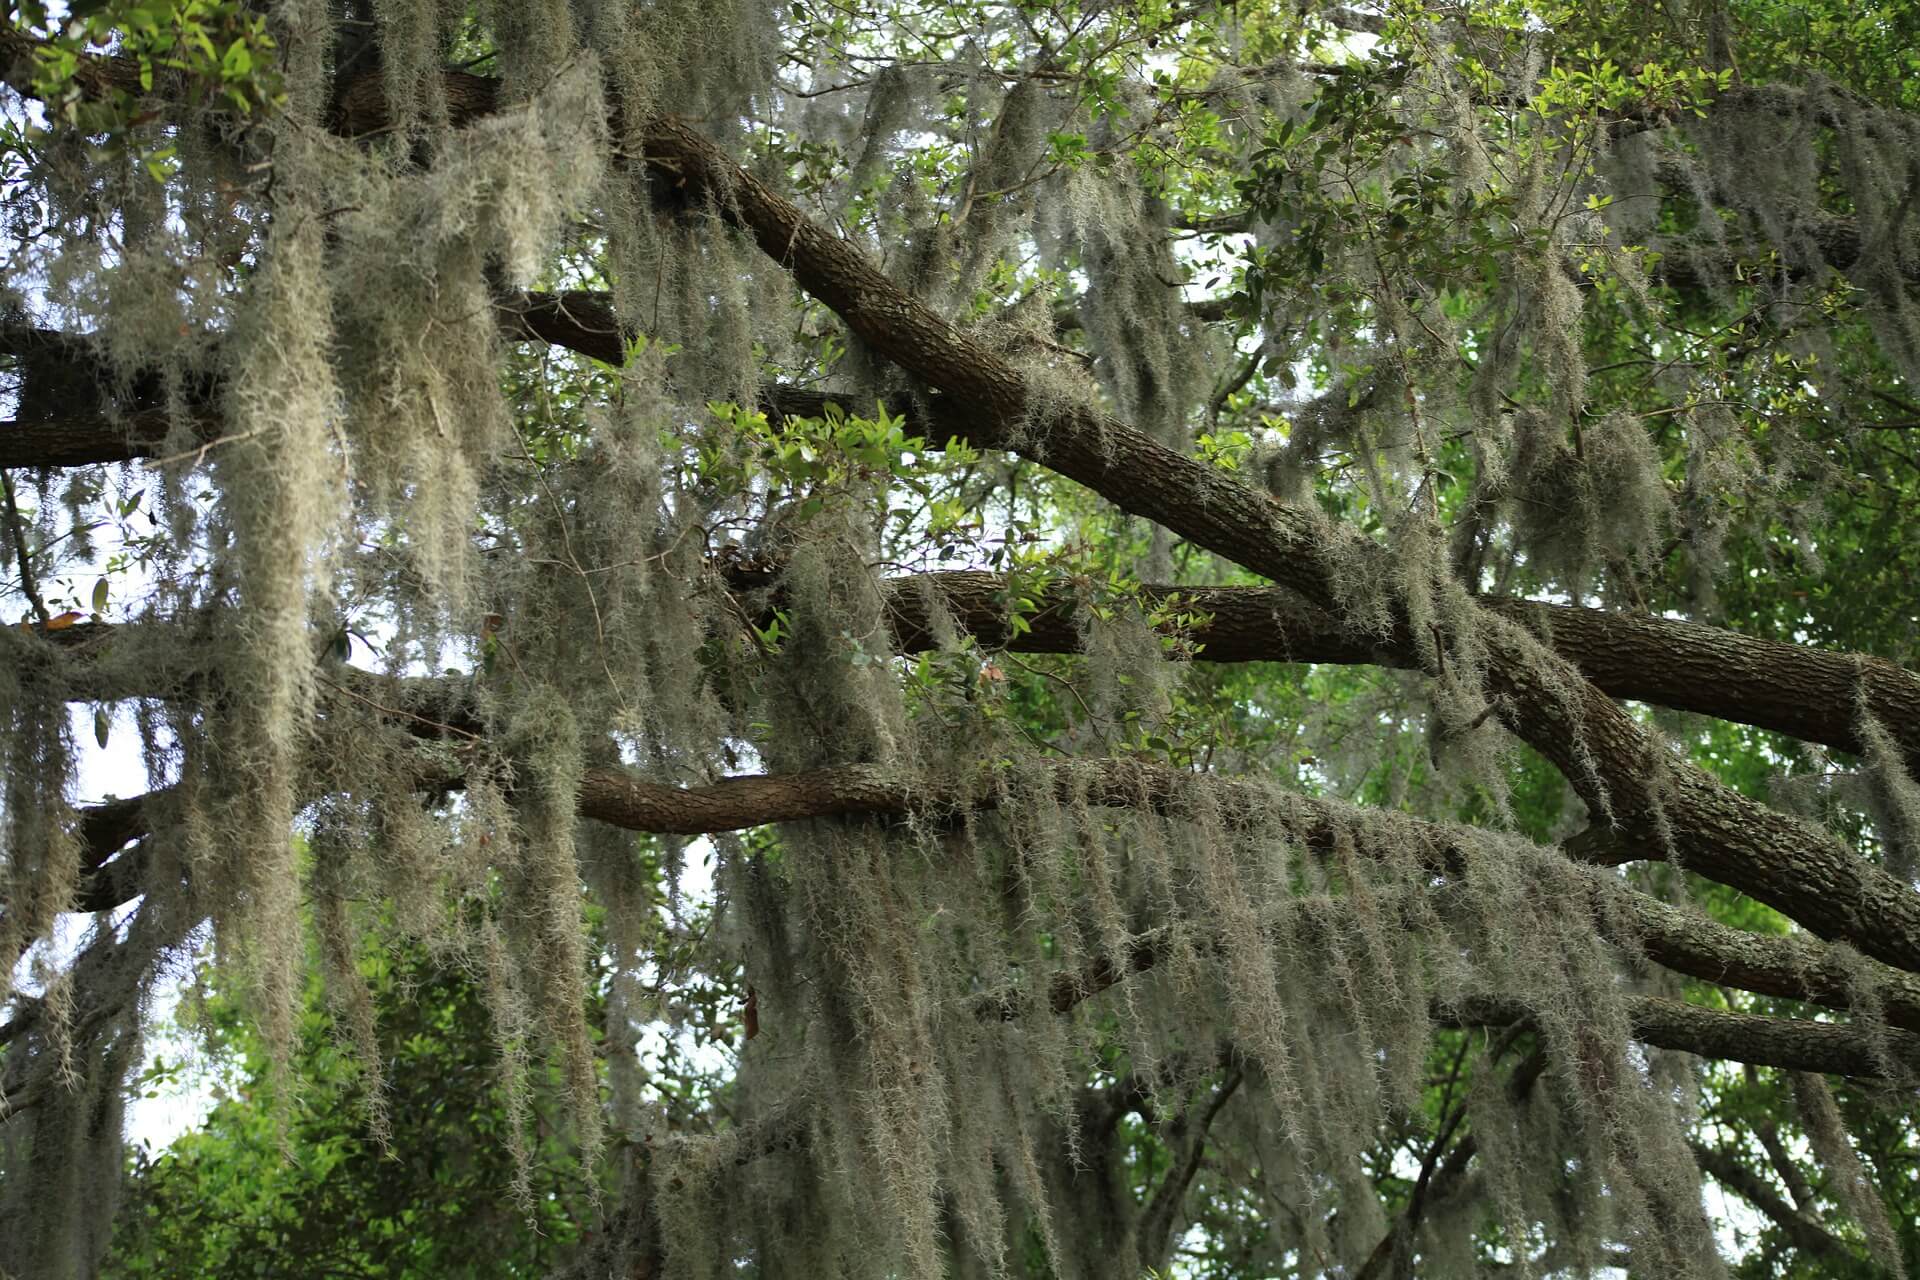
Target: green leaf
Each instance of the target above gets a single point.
(238, 61)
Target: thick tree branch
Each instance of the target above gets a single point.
(1682, 941)
(97, 75)
(1810, 694)
(80, 441)
(1626, 780)
(578, 320)
(1805, 693)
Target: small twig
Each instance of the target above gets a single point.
(1068, 685)
(566, 545)
(397, 712)
(759, 640)
(199, 455)
(1233, 384)
(20, 552)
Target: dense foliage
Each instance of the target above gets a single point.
(962, 638)
(432, 1189)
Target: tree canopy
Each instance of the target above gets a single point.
(1286, 629)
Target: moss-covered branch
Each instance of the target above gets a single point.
(1794, 967)
(1811, 694)
(1629, 782)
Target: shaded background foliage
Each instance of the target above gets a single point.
(304, 1189)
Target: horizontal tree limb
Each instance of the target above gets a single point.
(1811, 694)
(1795, 1044)
(81, 441)
(1683, 941)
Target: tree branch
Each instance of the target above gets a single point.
(1809, 694)
(1157, 1222)
(1795, 967)
(1626, 780)
(22, 553)
(1721, 1034)
(1801, 1231)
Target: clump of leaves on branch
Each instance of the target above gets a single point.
(1258, 610)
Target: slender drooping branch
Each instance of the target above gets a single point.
(1724, 1035)
(1802, 1231)
(1792, 1043)
(1806, 693)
